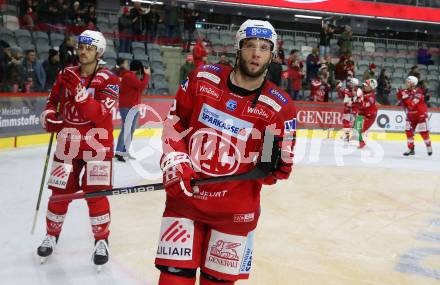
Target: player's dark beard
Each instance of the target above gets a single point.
(245, 70)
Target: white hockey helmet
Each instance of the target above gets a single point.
(93, 38)
(412, 79)
(354, 82)
(372, 83)
(257, 29)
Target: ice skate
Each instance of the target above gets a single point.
(429, 150)
(409, 152)
(362, 144)
(120, 158)
(100, 253)
(46, 248)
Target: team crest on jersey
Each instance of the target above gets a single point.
(208, 75)
(208, 90)
(184, 84)
(290, 126)
(231, 105)
(259, 111)
(278, 95)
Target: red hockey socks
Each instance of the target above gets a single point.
(426, 139)
(99, 212)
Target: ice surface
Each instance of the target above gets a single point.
(346, 217)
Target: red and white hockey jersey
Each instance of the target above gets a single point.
(214, 122)
(90, 124)
(413, 101)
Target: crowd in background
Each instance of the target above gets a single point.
(23, 72)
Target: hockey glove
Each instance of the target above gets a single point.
(177, 174)
(284, 165)
(72, 82)
(50, 122)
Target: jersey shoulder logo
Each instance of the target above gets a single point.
(278, 95)
(270, 102)
(208, 75)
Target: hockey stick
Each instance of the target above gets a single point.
(43, 178)
(256, 173)
(46, 163)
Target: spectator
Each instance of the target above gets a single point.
(137, 14)
(25, 6)
(294, 56)
(190, 18)
(125, 30)
(122, 66)
(350, 67)
(51, 67)
(67, 52)
(340, 70)
(133, 84)
(171, 21)
(5, 58)
(330, 69)
(75, 15)
(44, 16)
(274, 71)
(424, 57)
(383, 87)
(224, 61)
(199, 52)
(414, 72)
(13, 81)
(295, 77)
(33, 73)
(186, 68)
(59, 11)
(152, 22)
(423, 85)
(370, 73)
(29, 19)
(312, 65)
(90, 17)
(345, 41)
(324, 39)
(281, 54)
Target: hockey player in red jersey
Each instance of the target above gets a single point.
(319, 86)
(413, 102)
(86, 95)
(368, 108)
(215, 128)
(350, 97)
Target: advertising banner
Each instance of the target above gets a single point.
(21, 115)
(353, 7)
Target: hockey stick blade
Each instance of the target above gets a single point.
(256, 173)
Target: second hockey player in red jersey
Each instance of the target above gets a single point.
(215, 128)
(367, 108)
(85, 95)
(350, 97)
(413, 102)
